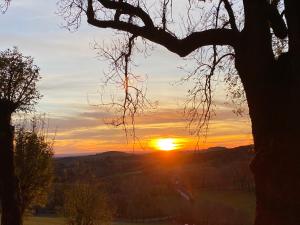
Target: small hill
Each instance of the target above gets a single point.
(217, 148)
(143, 186)
(112, 163)
(112, 154)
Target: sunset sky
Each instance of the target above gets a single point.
(72, 76)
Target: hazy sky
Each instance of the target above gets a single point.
(72, 76)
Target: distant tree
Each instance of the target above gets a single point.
(18, 92)
(34, 164)
(254, 41)
(86, 204)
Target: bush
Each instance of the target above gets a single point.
(34, 164)
(86, 204)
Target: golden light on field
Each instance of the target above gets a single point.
(166, 144)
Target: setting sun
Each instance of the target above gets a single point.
(166, 144)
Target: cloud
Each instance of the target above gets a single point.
(71, 75)
(87, 131)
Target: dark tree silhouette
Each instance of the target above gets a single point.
(18, 92)
(251, 31)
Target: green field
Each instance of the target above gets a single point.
(60, 221)
(240, 200)
(44, 221)
(229, 204)
(237, 207)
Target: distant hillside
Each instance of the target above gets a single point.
(112, 154)
(116, 162)
(151, 185)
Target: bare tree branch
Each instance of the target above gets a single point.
(4, 5)
(276, 21)
(182, 47)
(230, 14)
(125, 8)
(132, 100)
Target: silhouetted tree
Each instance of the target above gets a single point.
(264, 40)
(34, 164)
(18, 92)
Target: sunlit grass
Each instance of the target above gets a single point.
(43, 220)
(241, 201)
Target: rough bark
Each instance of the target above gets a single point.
(273, 95)
(10, 198)
(277, 184)
(276, 166)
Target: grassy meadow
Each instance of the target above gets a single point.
(142, 188)
(234, 205)
(43, 220)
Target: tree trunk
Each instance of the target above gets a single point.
(273, 97)
(10, 195)
(277, 179)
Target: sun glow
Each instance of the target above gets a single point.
(166, 144)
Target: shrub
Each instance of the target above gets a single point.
(86, 204)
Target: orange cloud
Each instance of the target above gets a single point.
(87, 133)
